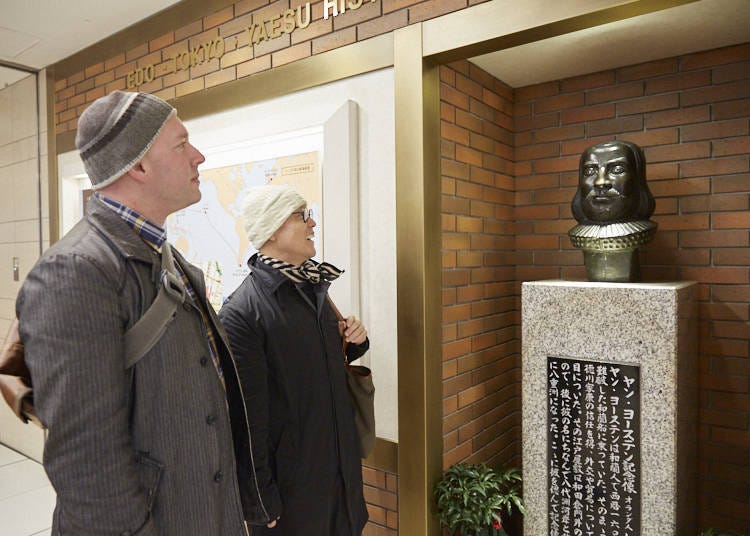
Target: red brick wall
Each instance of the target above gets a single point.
(381, 494)
(481, 347)
(691, 114)
(375, 17)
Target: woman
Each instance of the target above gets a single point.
(286, 340)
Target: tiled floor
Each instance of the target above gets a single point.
(26, 496)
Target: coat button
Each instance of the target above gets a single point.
(210, 420)
(204, 361)
(218, 476)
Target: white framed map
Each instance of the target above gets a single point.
(211, 234)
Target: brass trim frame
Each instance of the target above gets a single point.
(417, 110)
(338, 64)
(351, 60)
(66, 141)
(590, 19)
(384, 456)
(53, 187)
(418, 213)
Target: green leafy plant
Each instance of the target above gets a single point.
(714, 532)
(471, 498)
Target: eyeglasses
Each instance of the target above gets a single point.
(306, 214)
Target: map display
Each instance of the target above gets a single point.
(211, 234)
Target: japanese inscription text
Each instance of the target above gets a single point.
(593, 448)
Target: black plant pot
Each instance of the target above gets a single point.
(513, 524)
(483, 532)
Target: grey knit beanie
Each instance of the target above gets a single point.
(266, 208)
(116, 131)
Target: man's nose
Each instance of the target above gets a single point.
(602, 181)
(199, 156)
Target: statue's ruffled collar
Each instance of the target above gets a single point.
(612, 236)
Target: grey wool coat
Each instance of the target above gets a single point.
(152, 450)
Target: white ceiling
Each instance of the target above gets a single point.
(702, 25)
(35, 41)
(37, 33)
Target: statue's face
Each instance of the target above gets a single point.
(608, 183)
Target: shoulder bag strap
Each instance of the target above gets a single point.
(344, 342)
(145, 333)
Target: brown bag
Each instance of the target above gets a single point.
(362, 391)
(15, 379)
(359, 381)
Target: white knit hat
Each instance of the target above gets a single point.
(266, 208)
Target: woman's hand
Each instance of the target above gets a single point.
(353, 330)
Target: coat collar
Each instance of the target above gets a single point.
(266, 275)
(273, 279)
(123, 238)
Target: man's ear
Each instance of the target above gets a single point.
(138, 172)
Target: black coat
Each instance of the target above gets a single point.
(288, 351)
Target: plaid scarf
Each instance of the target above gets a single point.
(308, 271)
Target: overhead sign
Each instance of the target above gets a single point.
(259, 31)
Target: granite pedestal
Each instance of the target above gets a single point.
(634, 349)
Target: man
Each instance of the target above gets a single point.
(286, 340)
(150, 449)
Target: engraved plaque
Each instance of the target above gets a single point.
(593, 416)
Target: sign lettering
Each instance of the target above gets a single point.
(593, 448)
(257, 32)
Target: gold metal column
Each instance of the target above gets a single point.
(417, 110)
(53, 186)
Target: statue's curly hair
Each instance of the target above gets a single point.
(645, 205)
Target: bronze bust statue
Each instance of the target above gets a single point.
(612, 206)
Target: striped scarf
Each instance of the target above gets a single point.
(308, 271)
